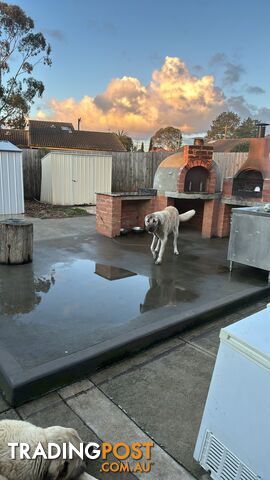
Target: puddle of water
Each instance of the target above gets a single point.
(77, 305)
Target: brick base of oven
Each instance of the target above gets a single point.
(113, 213)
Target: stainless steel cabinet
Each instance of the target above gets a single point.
(249, 242)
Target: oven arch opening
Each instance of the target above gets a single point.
(248, 183)
(196, 180)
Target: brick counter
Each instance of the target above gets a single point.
(125, 210)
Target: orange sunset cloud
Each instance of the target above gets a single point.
(173, 97)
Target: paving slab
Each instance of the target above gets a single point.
(206, 335)
(10, 414)
(166, 398)
(36, 406)
(243, 310)
(52, 410)
(75, 389)
(133, 361)
(113, 425)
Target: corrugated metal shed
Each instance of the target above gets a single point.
(11, 179)
(74, 178)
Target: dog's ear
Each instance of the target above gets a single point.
(60, 469)
(57, 469)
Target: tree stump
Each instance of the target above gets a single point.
(16, 241)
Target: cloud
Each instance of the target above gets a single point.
(218, 58)
(155, 57)
(56, 34)
(173, 97)
(197, 68)
(264, 114)
(232, 73)
(102, 27)
(239, 105)
(254, 90)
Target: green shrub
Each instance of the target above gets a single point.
(241, 147)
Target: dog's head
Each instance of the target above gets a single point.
(152, 222)
(59, 468)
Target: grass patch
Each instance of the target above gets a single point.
(37, 209)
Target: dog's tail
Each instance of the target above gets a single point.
(184, 217)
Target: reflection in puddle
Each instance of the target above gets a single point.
(18, 296)
(164, 293)
(83, 284)
(112, 273)
(74, 306)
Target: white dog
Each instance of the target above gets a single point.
(39, 468)
(161, 224)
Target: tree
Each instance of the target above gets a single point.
(168, 138)
(241, 147)
(150, 145)
(247, 128)
(224, 126)
(126, 141)
(141, 147)
(21, 49)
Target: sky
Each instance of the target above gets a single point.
(139, 65)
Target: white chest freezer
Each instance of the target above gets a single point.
(234, 437)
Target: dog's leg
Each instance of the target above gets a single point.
(161, 251)
(157, 246)
(175, 237)
(153, 245)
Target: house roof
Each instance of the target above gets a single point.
(62, 135)
(44, 124)
(15, 136)
(226, 144)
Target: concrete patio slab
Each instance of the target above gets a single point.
(87, 300)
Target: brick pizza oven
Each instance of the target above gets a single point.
(250, 186)
(191, 179)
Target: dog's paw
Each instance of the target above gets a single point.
(158, 261)
(176, 252)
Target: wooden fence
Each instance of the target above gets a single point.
(130, 170)
(32, 173)
(229, 163)
(133, 170)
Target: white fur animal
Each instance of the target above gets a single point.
(40, 468)
(161, 224)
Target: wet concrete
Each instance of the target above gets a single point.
(84, 290)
